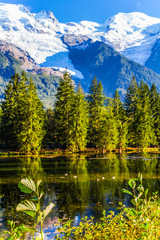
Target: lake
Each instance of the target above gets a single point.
(78, 185)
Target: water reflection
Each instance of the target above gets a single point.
(79, 185)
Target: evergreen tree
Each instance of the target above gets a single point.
(64, 112)
(108, 134)
(80, 121)
(22, 115)
(121, 119)
(0, 126)
(131, 101)
(32, 131)
(143, 119)
(96, 104)
(11, 111)
(138, 109)
(49, 140)
(155, 108)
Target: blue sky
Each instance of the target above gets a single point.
(92, 10)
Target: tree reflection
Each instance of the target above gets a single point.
(79, 185)
(32, 168)
(27, 167)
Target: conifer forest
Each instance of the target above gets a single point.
(79, 120)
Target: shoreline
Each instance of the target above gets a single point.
(60, 152)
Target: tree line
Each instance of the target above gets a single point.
(79, 120)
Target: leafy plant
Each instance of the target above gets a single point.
(139, 222)
(33, 207)
(139, 194)
(16, 231)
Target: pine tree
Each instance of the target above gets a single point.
(96, 104)
(143, 119)
(32, 131)
(121, 119)
(155, 108)
(22, 115)
(108, 134)
(131, 101)
(49, 140)
(0, 126)
(141, 127)
(80, 121)
(64, 112)
(11, 111)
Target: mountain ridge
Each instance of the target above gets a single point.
(132, 34)
(39, 44)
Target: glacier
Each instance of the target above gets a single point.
(41, 35)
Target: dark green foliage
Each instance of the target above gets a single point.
(98, 122)
(71, 116)
(49, 139)
(0, 126)
(22, 115)
(121, 121)
(64, 112)
(131, 101)
(108, 132)
(96, 104)
(11, 111)
(32, 130)
(140, 120)
(144, 119)
(80, 121)
(155, 108)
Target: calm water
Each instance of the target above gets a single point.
(79, 185)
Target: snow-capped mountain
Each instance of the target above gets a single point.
(44, 38)
(126, 44)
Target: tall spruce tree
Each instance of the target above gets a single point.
(64, 112)
(138, 109)
(155, 108)
(131, 101)
(96, 103)
(49, 140)
(11, 111)
(121, 119)
(143, 119)
(22, 115)
(0, 127)
(32, 130)
(80, 121)
(108, 133)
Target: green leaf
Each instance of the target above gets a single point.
(126, 191)
(146, 192)
(48, 209)
(140, 177)
(132, 183)
(27, 185)
(26, 206)
(30, 213)
(38, 183)
(26, 229)
(133, 201)
(140, 188)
